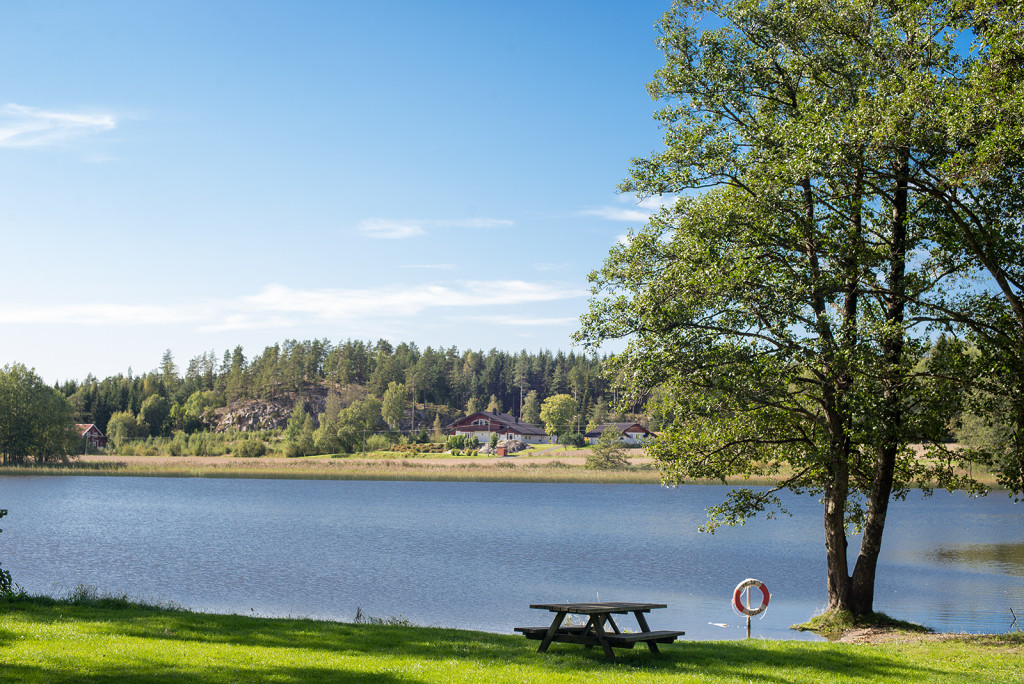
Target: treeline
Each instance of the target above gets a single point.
(168, 399)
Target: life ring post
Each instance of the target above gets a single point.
(746, 608)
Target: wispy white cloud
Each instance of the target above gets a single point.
(102, 314)
(31, 127)
(472, 223)
(386, 229)
(635, 212)
(549, 266)
(396, 229)
(523, 321)
(618, 214)
(280, 306)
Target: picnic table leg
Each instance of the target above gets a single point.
(555, 624)
(642, 621)
(598, 623)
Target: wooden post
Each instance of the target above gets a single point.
(748, 617)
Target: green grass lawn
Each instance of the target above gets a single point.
(106, 640)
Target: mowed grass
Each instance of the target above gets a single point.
(42, 640)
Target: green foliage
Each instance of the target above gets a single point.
(250, 448)
(558, 413)
(378, 443)
(446, 379)
(156, 413)
(123, 428)
(36, 424)
(392, 405)
(777, 307)
(572, 439)
(433, 448)
(325, 437)
(457, 442)
(599, 414)
(531, 408)
(608, 453)
(358, 421)
(299, 440)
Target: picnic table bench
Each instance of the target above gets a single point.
(593, 632)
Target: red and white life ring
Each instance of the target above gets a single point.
(751, 610)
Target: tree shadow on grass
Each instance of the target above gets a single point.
(752, 661)
(755, 660)
(142, 672)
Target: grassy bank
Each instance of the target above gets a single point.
(344, 469)
(106, 640)
(549, 466)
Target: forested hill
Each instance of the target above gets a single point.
(448, 381)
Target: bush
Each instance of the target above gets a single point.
(573, 439)
(378, 443)
(419, 448)
(250, 448)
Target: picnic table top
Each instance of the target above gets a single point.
(591, 608)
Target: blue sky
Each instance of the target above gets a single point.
(196, 175)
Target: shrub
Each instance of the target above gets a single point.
(377, 443)
(250, 448)
(419, 448)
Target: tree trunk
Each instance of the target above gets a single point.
(838, 579)
(862, 587)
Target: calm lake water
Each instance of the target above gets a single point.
(475, 555)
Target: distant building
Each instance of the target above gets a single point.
(483, 424)
(631, 434)
(92, 435)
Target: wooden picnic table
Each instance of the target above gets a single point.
(593, 632)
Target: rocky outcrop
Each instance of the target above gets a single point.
(247, 415)
(268, 414)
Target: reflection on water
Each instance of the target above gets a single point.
(1007, 558)
(475, 555)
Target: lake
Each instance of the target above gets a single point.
(475, 555)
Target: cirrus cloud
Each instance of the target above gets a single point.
(26, 127)
(397, 229)
(639, 212)
(280, 307)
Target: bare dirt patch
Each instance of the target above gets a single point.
(884, 635)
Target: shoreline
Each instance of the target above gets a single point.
(567, 467)
(547, 469)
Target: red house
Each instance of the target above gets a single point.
(92, 435)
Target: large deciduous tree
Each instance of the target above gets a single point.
(558, 413)
(36, 421)
(975, 182)
(782, 302)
